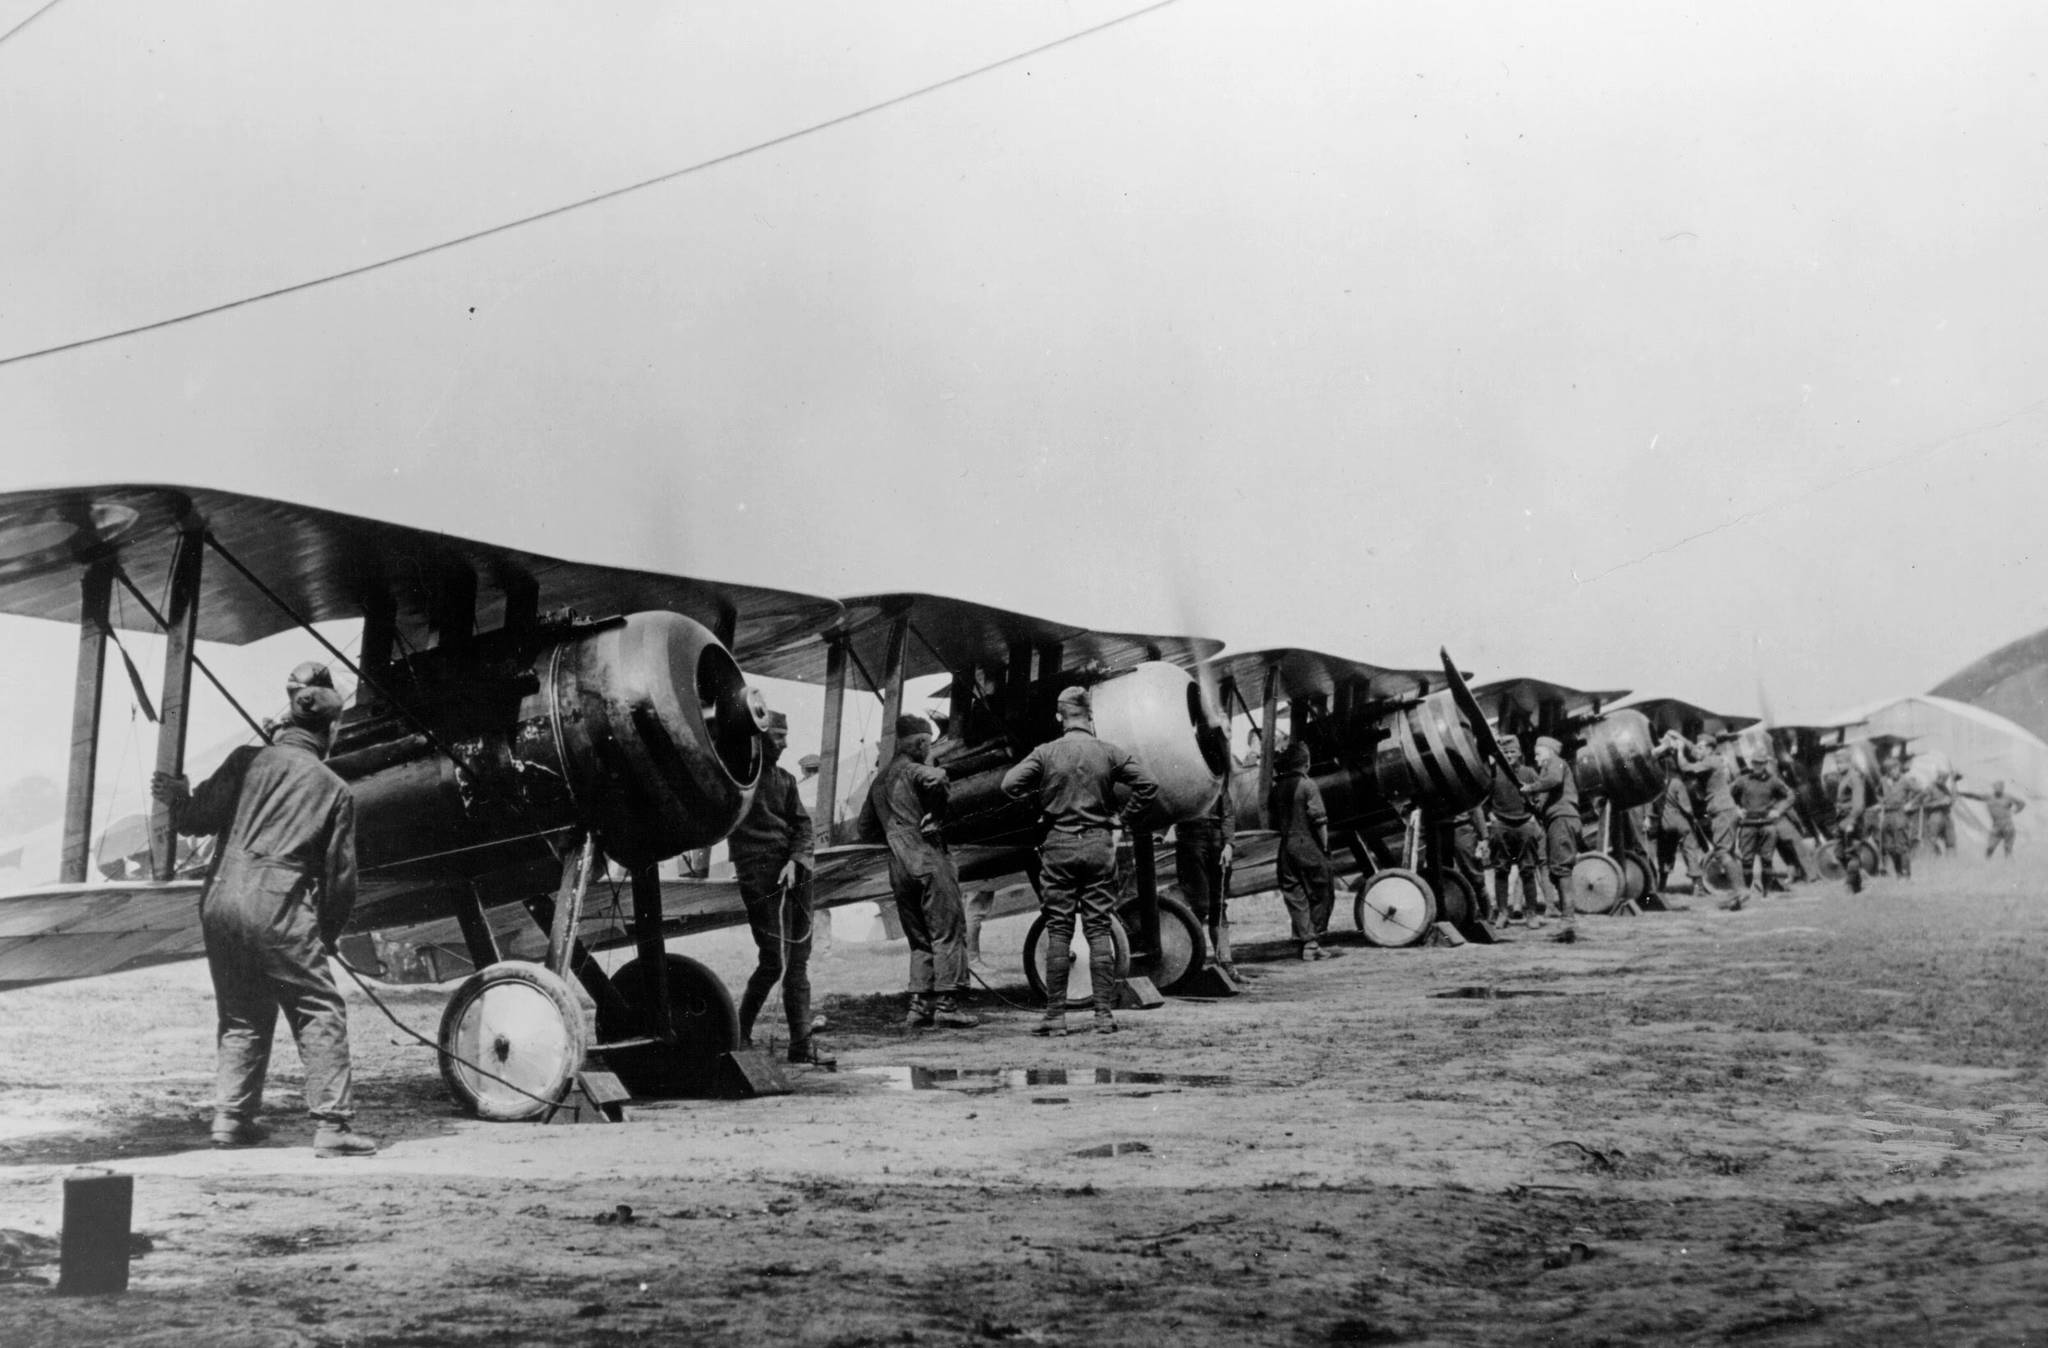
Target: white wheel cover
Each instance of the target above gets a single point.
(514, 1030)
(1394, 911)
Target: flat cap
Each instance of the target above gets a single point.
(1543, 741)
(1074, 699)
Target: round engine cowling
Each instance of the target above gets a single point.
(1618, 760)
(657, 739)
(637, 729)
(1155, 711)
(1431, 757)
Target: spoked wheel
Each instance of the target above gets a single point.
(512, 1037)
(1080, 984)
(706, 1023)
(1867, 851)
(1827, 859)
(1721, 872)
(1455, 902)
(1394, 907)
(1181, 943)
(1638, 876)
(1596, 882)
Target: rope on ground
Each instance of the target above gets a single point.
(389, 1015)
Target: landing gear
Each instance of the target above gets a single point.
(1596, 882)
(1394, 907)
(700, 1012)
(1182, 948)
(1080, 988)
(511, 1039)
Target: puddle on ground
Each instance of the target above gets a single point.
(1484, 994)
(987, 1080)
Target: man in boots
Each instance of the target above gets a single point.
(1852, 805)
(1073, 780)
(1516, 837)
(282, 888)
(1554, 797)
(1763, 799)
(1901, 797)
(772, 856)
(909, 802)
(1201, 861)
(1302, 867)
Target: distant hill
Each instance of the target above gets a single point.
(2011, 681)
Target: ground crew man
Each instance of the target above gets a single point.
(1763, 799)
(1938, 827)
(772, 855)
(1073, 780)
(1712, 797)
(1295, 805)
(1202, 850)
(1852, 808)
(909, 799)
(1900, 794)
(2002, 808)
(1553, 795)
(280, 893)
(1516, 839)
(1676, 827)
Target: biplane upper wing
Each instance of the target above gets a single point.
(322, 565)
(947, 635)
(1687, 718)
(328, 565)
(1521, 703)
(1305, 673)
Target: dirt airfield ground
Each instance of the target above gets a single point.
(1819, 1120)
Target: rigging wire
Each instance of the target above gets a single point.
(29, 20)
(700, 166)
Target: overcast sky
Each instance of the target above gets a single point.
(1676, 348)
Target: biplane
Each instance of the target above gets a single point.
(1614, 755)
(1397, 754)
(518, 719)
(1688, 720)
(1004, 674)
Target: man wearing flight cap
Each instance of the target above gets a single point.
(1554, 797)
(908, 799)
(772, 855)
(1073, 779)
(282, 887)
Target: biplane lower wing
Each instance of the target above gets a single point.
(62, 932)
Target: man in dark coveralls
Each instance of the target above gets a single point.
(773, 859)
(1073, 779)
(1554, 797)
(909, 802)
(282, 887)
(1299, 816)
(1201, 862)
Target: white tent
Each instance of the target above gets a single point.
(1983, 746)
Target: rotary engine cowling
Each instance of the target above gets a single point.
(638, 729)
(1618, 760)
(1155, 710)
(1431, 757)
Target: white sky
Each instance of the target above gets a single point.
(1677, 348)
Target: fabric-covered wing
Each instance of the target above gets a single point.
(328, 565)
(79, 931)
(1687, 718)
(1535, 702)
(1305, 673)
(954, 634)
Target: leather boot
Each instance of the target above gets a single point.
(920, 1012)
(338, 1139)
(952, 1017)
(1053, 1025)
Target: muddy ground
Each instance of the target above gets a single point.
(1818, 1120)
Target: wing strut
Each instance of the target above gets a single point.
(180, 633)
(85, 722)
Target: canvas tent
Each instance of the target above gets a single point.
(1983, 746)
